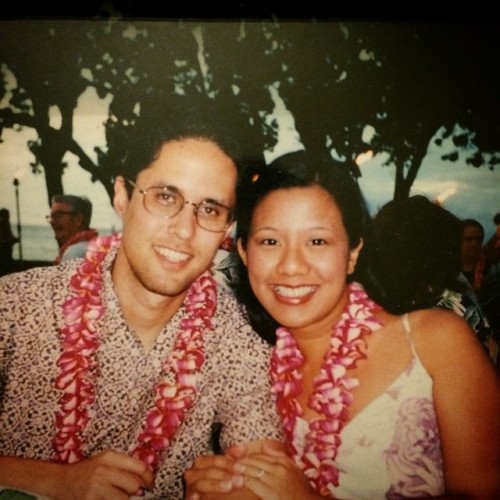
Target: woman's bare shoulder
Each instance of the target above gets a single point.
(433, 322)
(442, 337)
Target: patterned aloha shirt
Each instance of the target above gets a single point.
(466, 306)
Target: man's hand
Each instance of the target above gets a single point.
(108, 475)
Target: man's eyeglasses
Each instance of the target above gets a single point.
(58, 215)
(166, 203)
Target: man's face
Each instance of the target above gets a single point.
(64, 221)
(165, 255)
(472, 242)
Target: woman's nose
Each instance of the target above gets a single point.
(292, 261)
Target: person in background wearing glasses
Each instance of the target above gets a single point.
(116, 368)
(70, 219)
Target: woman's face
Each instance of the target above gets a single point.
(298, 258)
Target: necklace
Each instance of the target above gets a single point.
(78, 365)
(86, 235)
(331, 394)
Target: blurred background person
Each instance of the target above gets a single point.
(489, 299)
(489, 293)
(472, 258)
(70, 217)
(418, 261)
(7, 242)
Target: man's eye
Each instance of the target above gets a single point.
(208, 210)
(165, 198)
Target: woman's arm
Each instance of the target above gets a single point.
(467, 401)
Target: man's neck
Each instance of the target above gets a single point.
(145, 312)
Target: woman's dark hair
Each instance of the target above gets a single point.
(296, 169)
(417, 254)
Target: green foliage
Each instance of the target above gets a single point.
(411, 82)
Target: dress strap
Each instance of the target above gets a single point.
(407, 329)
(406, 325)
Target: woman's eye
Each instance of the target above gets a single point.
(318, 242)
(269, 242)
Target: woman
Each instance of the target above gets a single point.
(374, 405)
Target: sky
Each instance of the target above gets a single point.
(473, 193)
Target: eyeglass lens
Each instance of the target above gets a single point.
(164, 202)
(57, 215)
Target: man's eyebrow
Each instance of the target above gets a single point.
(176, 190)
(163, 185)
(215, 202)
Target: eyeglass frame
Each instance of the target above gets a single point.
(182, 205)
(58, 215)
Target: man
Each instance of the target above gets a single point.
(70, 219)
(114, 368)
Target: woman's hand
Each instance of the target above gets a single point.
(268, 474)
(272, 475)
(213, 474)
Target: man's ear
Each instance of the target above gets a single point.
(353, 257)
(227, 242)
(241, 251)
(120, 199)
(81, 221)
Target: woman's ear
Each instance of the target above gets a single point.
(353, 257)
(241, 251)
(120, 199)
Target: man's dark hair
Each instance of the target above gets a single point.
(179, 119)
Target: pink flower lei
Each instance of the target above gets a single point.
(78, 366)
(331, 396)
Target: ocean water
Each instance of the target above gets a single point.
(38, 242)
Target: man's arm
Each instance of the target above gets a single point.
(109, 475)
